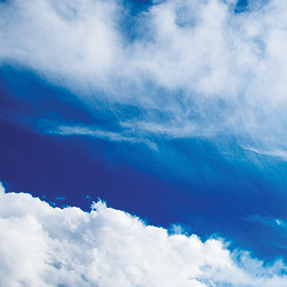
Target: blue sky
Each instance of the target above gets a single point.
(171, 111)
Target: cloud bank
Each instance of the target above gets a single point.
(46, 246)
(181, 69)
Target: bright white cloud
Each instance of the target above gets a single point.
(195, 68)
(46, 246)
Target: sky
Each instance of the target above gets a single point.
(143, 143)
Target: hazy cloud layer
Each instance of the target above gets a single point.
(46, 246)
(180, 69)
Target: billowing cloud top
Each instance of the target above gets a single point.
(179, 69)
(46, 246)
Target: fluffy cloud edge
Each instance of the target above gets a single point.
(46, 246)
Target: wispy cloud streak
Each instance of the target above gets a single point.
(191, 68)
(100, 134)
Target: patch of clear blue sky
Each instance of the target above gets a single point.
(249, 5)
(137, 6)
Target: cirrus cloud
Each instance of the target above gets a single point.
(190, 68)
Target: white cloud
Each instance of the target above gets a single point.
(46, 246)
(195, 68)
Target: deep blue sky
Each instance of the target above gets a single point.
(212, 184)
(205, 190)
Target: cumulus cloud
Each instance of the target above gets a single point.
(188, 68)
(46, 246)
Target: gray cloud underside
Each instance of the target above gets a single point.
(192, 68)
(46, 246)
